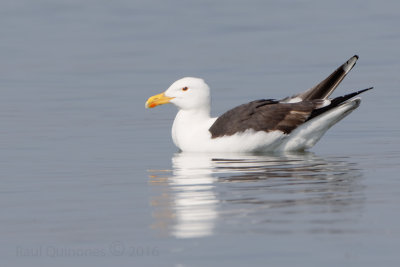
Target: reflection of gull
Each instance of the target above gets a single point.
(195, 201)
(204, 187)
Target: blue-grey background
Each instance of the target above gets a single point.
(89, 177)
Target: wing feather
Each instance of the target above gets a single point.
(263, 115)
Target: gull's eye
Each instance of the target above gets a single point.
(185, 89)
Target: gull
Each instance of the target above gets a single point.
(294, 123)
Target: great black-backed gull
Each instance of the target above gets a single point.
(291, 124)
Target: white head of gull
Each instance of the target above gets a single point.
(293, 123)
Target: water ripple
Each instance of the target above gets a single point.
(205, 194)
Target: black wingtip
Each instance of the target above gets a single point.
(336, 102)
(356, 56)
(363, 90)
(349, 64)
(341, 99)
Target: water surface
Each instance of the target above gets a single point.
(89, 177)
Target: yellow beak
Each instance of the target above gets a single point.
(157, 100)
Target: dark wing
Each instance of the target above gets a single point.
(325, 88)
(263, 115)
(335, 102)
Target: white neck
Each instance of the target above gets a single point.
(190, 126)
(195, 114)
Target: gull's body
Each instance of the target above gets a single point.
(293, 123)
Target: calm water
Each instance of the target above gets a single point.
(91, 178)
